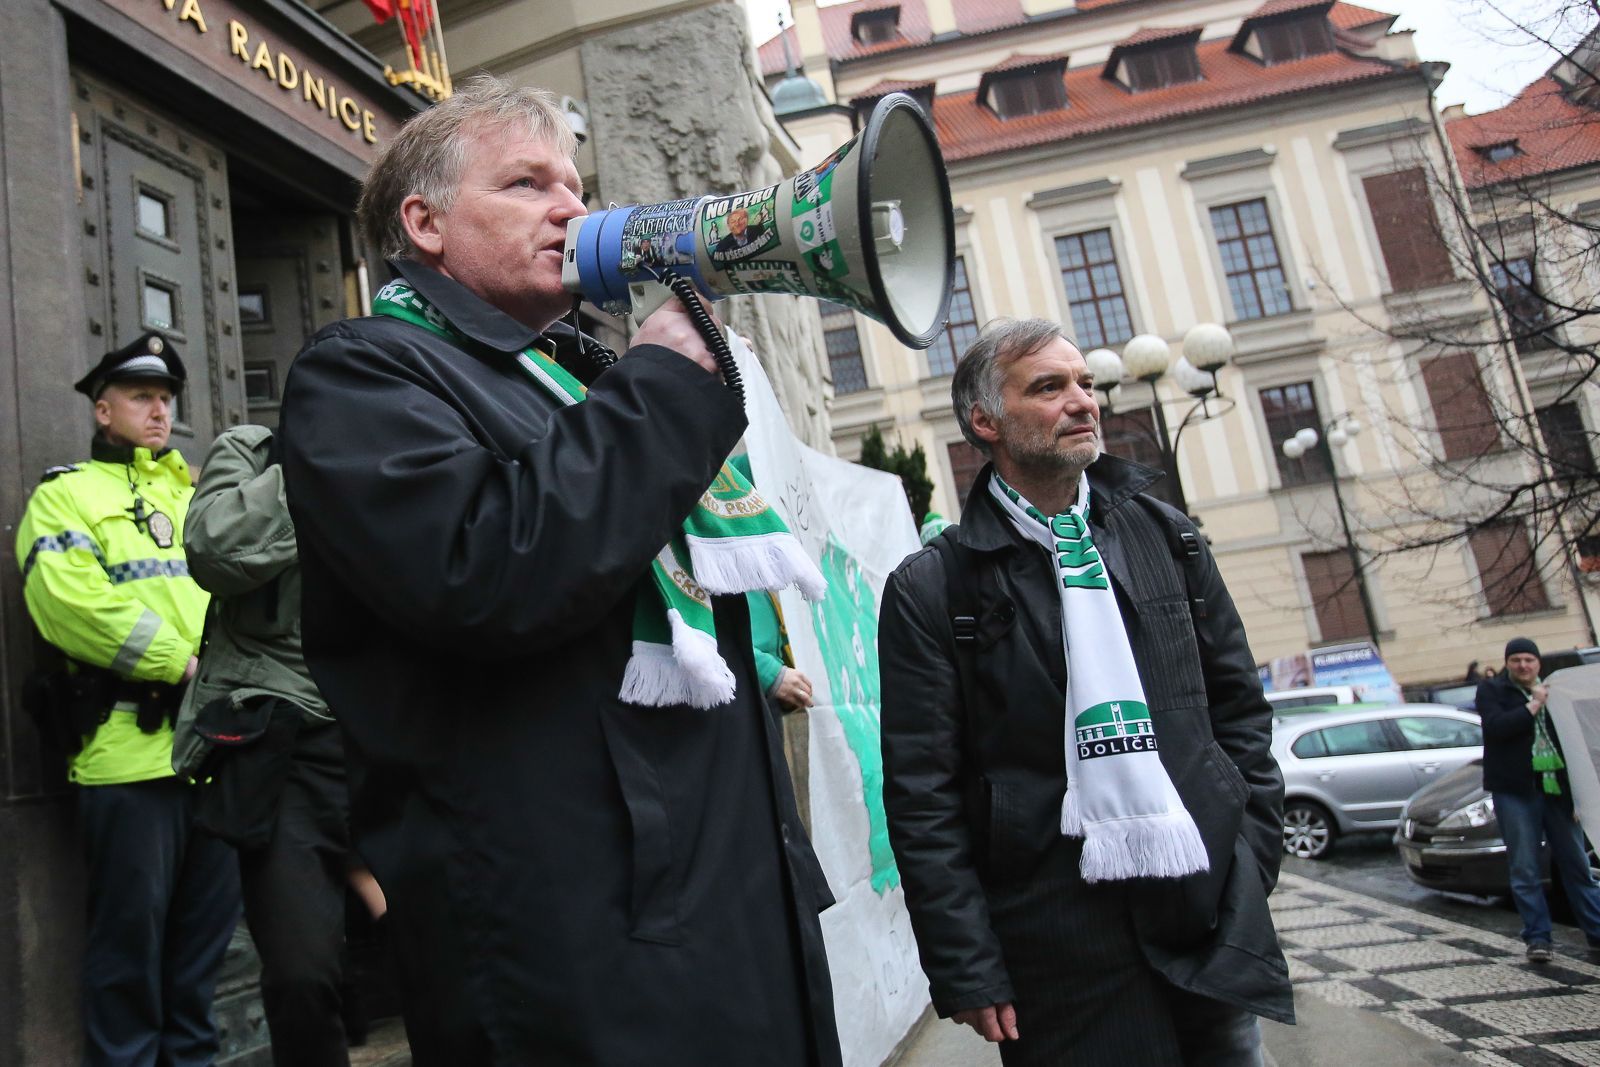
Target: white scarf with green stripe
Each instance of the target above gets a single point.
(1119, 798)
(733, 542)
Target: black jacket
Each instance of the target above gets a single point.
(974, 794)
(571, 880)
(1508, 738)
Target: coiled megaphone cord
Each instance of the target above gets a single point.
(713, 337)
(601, 356)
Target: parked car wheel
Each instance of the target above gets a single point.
(1308, 830)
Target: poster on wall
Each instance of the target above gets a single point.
(855, 521)
(1357, 664)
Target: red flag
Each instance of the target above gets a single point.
(382, 10)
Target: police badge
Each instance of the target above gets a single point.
(160, 529)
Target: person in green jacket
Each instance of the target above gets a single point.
(294, 862)
(783, 683)
(106, 582)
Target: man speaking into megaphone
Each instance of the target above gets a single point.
(518, 577)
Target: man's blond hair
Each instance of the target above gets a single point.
(429, 154)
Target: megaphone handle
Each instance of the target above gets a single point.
(690, 297)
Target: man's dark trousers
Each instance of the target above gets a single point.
(294, 905)
(163, 901)
(1085, 992)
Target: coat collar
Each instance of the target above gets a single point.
(103, 451)
(466, 310)
(1112, 482)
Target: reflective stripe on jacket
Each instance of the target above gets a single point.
(104, 591)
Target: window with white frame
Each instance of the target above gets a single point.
(1519, 296)
(1094, 289)
(960, 330)
(843, 343)
(1256, 281)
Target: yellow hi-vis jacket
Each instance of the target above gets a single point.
(106, 593)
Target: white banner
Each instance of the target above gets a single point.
(1574, 706)
(856, 523)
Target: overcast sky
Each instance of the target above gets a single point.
(1490, 56)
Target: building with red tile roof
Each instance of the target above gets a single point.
(1133, 167)
(1542, 132)
(1096, 104)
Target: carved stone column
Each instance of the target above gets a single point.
(676, 109)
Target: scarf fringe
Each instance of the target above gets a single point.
(1071, 817)
(690, 671)
(1150, 846)
(771, 561)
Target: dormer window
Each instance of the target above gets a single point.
(1154, 58)
(877, 26)
(1025, 85)
(1499, 153)
(1015, 95)
(1295, 38)
(1284, 30)
(1157, 68)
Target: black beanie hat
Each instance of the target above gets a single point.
(1522, 644)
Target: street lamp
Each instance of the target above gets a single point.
(1338, 432)
(1146, 358)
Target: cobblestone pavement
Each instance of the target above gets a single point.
(386, 1047)
(1463, 987)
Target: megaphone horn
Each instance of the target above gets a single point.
(870, 227)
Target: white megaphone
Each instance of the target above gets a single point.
(870, 228)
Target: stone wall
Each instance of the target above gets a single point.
(676, 109)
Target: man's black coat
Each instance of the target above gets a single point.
(571, 880)
(974, 794)
(1508, 738)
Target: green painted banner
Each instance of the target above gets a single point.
(846, 625)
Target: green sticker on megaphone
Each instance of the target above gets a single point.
(828, 261)
(813, 187)
(737, 228)
(766, 276)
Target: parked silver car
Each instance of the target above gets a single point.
(1353, 770)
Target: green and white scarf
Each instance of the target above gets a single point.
(1546, 757)
(1119, 798)
(733, 542)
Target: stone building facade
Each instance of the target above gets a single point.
(1135, 167)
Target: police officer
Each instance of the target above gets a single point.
(104, 577)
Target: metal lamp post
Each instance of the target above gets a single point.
(1146, 358)
(1338, 432)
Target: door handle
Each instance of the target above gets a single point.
(1325, 776)
(1429, 768)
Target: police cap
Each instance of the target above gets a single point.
(151, 357)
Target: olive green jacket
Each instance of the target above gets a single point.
(241, 548)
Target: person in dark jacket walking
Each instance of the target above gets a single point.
(290, 829)
(1525, 770)
(1080, 792)
(588, 839)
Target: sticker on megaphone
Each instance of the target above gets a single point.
(737, 228)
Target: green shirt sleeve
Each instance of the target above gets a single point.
(766, 639)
